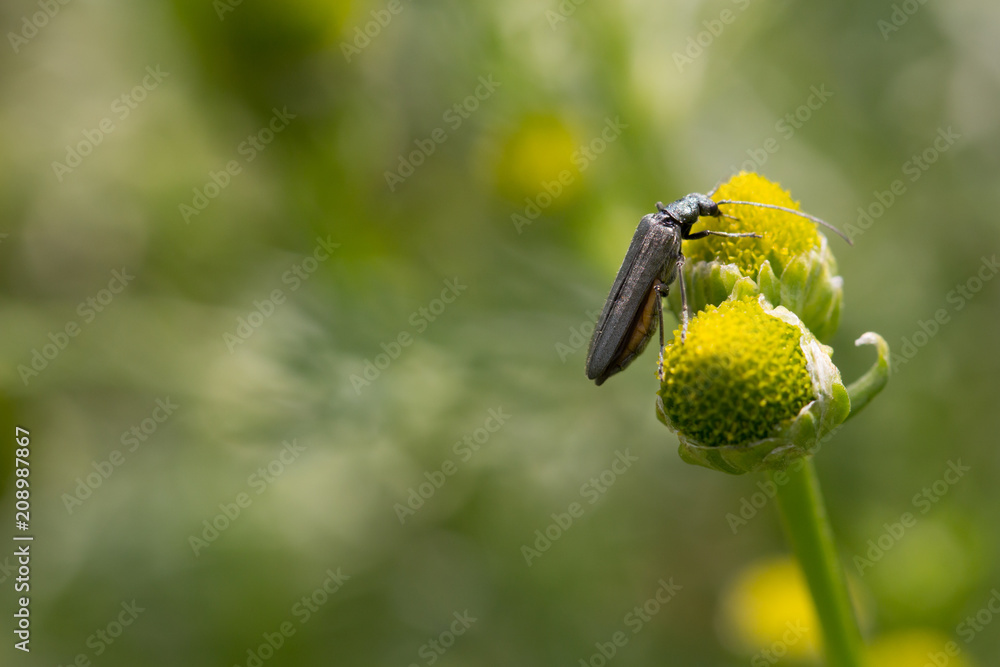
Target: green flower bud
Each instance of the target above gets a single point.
(750, 388)
(791, 265)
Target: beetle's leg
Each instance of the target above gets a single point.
(661, 290)
(684, 299)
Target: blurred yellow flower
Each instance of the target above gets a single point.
(916, 648)
(538, 160)
(767, 608)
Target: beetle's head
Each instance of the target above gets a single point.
(705, 204)
(687, 210)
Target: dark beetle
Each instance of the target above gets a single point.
(651, 264)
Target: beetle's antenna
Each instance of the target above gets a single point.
(790, 210)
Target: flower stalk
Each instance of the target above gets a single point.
(808, 529)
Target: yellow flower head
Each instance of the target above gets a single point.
(750, 388)
(740, 375)
(791, 265)
(785, 236)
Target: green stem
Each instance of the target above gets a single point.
(809, 532)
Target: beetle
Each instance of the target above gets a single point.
(651, 264)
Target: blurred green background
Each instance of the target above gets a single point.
(321, 267)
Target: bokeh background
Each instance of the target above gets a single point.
(298, 188)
